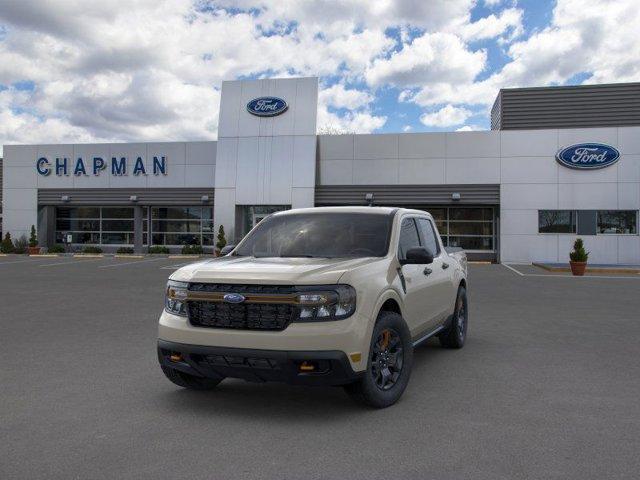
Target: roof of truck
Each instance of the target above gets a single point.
(349, 209)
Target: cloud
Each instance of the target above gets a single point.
(509, 21)
(340, 97)
(447, 116)
(432, 57)
(469, 128)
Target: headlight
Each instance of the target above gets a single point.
(175, 298)
(326, 302)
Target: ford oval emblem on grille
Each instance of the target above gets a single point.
(233, 298)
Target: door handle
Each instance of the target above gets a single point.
(445, 265)
(427, 271)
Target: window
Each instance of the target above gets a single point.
(95, 225)
(556, 221)
(429, 236)
(325, 235)
(408, 237)
(182, 226)
(618, 221)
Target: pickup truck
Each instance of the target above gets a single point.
(317, 296)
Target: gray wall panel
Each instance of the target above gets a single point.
(120, 196)
(407, 194)
(567, 107)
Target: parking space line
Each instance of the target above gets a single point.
(174, 267)
(73, 262)
(551, 275)
(130, 263)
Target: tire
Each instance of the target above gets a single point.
(190, 382)
(456, 334)
(384, 380)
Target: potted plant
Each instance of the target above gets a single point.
(221, 240)
(578, 258)
(33, 249)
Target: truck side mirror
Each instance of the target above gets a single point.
(417, 256)
(227, 249)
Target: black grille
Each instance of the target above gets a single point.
(242, 289)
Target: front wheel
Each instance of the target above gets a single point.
(389, 364)
(455, 335)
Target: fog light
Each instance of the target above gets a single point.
(356, 357)
(176, 357)
(307, 367)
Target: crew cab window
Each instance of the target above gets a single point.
(408, 237)
(429, 238)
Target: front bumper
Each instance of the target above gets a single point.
(330, 367)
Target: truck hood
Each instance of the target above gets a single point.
(271, 270)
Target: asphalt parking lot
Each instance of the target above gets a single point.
(548, 386)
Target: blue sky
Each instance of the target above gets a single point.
(77, 71)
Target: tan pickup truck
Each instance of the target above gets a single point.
(330, 296)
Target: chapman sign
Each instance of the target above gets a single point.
(588, 156)
(267, 106)
(118, 166)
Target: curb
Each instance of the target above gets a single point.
(45, 255)
(127, 255)
(589, 269)
(88, 255)
(184, 256)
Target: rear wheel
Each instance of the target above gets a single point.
(455, 335)
(389, 364)
(191, 382)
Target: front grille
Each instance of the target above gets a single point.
(242, 289)
(246, 316)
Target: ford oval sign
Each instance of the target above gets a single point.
(233, 298)
(588, 156)
(267, 106)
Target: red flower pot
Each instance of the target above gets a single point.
(33, 250)
(578, 268)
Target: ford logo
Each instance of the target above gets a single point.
(233, 298)
(267, 106)
(588, 156)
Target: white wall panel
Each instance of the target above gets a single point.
(529, 196)
(473, 144)
(20, 156)
(336, 172)
(519, 222)
(375, 172)
(200, 153)
(230, 107)
(473, 170)
(586, 196)
(529, 143)
(302, 197)
(304, 161)
(629, 168)
(571, 136)
(529, 248)
(19, 177)
(629, 196)
(629, 249)
(202, 176)
(529, 170)
(629, 140)
(375, 146)
(602, 249)
(412, 171)
(306, 106)
(336, 147)
(422, 145)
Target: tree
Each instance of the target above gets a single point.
(221, 239)
(33, 238)
(7, 244)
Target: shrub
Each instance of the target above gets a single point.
(20, 245)
(221, 239)
(158, 249)
(7, 244)
(125, 250)
(91, 249)
(57, 248)
(192, 250)
(579, 254)
(33, 238)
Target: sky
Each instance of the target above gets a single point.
(74, 71)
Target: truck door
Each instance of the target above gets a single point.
(440, 298)
(416, 282)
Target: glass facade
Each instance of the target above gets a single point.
(182, 226)
(95, 225)
(471, 228)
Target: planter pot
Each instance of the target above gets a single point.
(578, 268)
(33, 250)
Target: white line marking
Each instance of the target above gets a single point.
(87, 260)
(174, 267)
(552, 275)
(130, 263)
(513, 270)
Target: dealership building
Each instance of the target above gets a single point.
(559, 162)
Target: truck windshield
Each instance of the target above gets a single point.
(326, 235)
